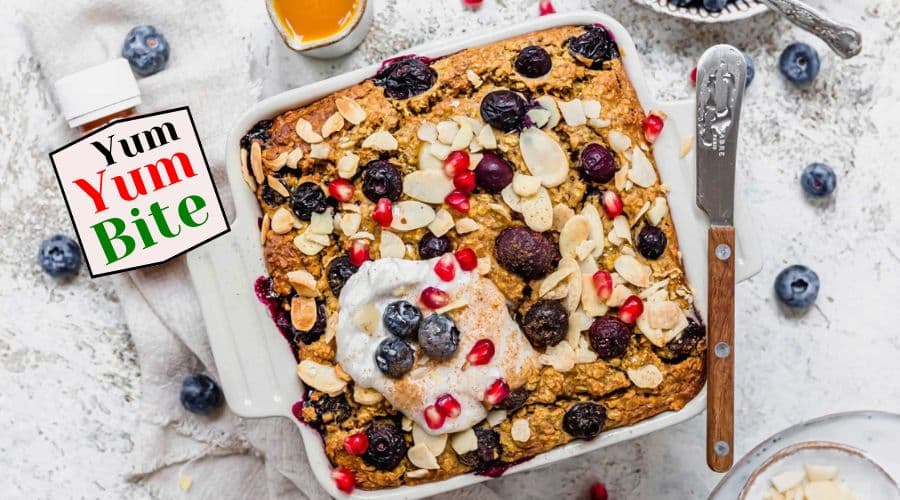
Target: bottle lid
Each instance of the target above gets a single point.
(96, 92)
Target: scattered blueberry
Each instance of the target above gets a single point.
(818, 180)
(306, 199)
(797, 286)
(598, 163)
(488, 450)
(751, 68)
(533, 62)
(431, 246)
(259, 132)
(688, 340)
(504, 110)
(593, 47)
(799, 63)
(438, 337)
(59, 256)
(528, 253)
(387, 447)
(402, 319)
(394, 357)
(146, 50)
(406, 77)
(714, 5)
(584, 420)
(514, 401)
(380, 179)
(328, 409)
(651, 242)
(609, 337)
(493, 173)
(339, 271)
(545, 323)
(200, 394)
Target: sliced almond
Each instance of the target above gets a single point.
(495, 417)
(561, 214)
(622, 228)
(333, 124)
(584, 249)
(381, 141)
(416, 473)
(320, 377)
(282, 221)
(544, 157)
(350, 110)
(256, 162)
(484, 265)
(321, 223)
(392, 247)
(590, 301)
(549, 103)
(303, 282)
(264, 228)
(618, 141)
(303, 313)
(435, 444)
(473, 78)
(598, 123)
(512, 200)
(560, 356)
(305, 131)
(584, 353)
(501, 209)
(663, 315)
(277, 186)
(658, 210)
(350, 223)
(637, 217)
(442, 223)
(319, 151)
(466, 225)
(294, 157)
(573, 112)
(464, 442)
(440, 151)
(574, 232)
(686, 145)
(645, 377)
(538, 116)
(595, 227)
(246, 173)
(633, 271)
(366, 396)
(429, 186)
(537, 211)
(347, 165)
(447, 131)
(787, 480)
(567, 266)
(618, 295)
(320, 239)
(427, 132)
(363, 235)
(621, 177)
(410, 215)
(642, 172)
(452, 306)
(427, 159)
(520, 430)
(486, 138)
(278, 162)
(367, 319)
(525, 185)
(820, 472)
(463, 136)
(578, 322)
(591, 108)
(306, 246)
(421, 457)
(406, 424)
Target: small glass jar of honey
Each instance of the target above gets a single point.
(322, 28)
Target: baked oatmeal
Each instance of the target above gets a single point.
(473, 259)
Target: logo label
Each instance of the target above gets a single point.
(139, 191)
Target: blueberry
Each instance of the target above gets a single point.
(797, 286)
(584, 420)
(528, 253)
(818, 180)
(402, 319)
(59, 256)
(339, 271)
(405, 77)
(751, 68)
(306, 199)
(688, 340)
(259, 132)
(394, 357)
(431, 246)
(380, 179)
(328, 409)
(146, 50)
(683, 3)
(504, 110)
(387, 446)
(545, 323)
(493, 173)
(609, 337)
(598, 163)
(533, 62)
(651, 242)
(799, 63)
(271, 197)
(318, 328)
(514, 401)
(438, 337)
(714, 5)
(593, 47)
(200, 394)
(488, 450)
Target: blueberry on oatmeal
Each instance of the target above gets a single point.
(545, 324)
(405, 77)
(431, 246)
(493, 173)
(584, 420)
(651, 242)
(339, 271)
(306, 199)
(687, 342)
(593, 47)
(528, 253)
(504, 110)
(488, 451)
(259, 132)
(533, 62)
(598, 163)
(387, 446)
(325, 409)
(380, 180)
(609, 337)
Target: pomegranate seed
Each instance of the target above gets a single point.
(473, 4)
(445, 267)
(467, 259)
(631, 309)
(341, 190)
(434, 298)
(465, 181)
(433, 417)
(481, 352)
(598, 492)
(496, 392)
(653, 125)
(612, 204)
(383, 213)
(604, 284)
(359, 252)
(456, 163)
(343, 479)
(545, 7)
(297, 410)
(457, 200)
(356, 444)
(448, 406)
(694, 76)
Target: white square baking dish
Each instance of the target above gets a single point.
(256, 367)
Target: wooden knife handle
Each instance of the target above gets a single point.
(720, 350)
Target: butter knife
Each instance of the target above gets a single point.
(721, 75)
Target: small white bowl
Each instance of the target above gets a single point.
(865, 478)
(336, 45)
(742, 9)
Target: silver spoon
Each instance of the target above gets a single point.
(844, 40)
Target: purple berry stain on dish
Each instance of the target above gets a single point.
(499, 469)
(267, 297)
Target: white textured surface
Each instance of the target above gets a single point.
(67, 371)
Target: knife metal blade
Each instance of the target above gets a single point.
(721, 76)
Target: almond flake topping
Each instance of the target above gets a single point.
(282, 221)
(659, 210)
(574, 232)
(305, 131)
(391, 246)
(544, 157)
(573, 112)
(525, 185)
(320, 377)
(429, 186)
(427, 159)
(645, 377)
(333, 124)
(442, 223)
(447, 131)
(294, 158)
(245, 173)
(663, 315)
(303, 282)
(486, 138)
(473, 78)
(456, 304)
(466, 225)
(256, 162)
(463, 136)
(633, 271)
(350, 223)
(440, 151)
(619, 141)
(434, 443)
(549, 103)
(642, 172)
(421, 457)
(686, 145)
(537, 211)
(484, 266)
(539, 116)
(561, 214)
(591, 108)
(277, 186)
(590, 301)
(495, 417)
(303, 313)
(560, 356)
(278, 162)
(464, 442)
(319, 151)
(520, 430)
(381, 141)
(264, 229)
(410, 215)
(347, 165)
(366, 396)
(567, 266)
(350, 110)
(427, 132)
(367, 319)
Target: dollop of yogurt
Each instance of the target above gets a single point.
(380, 282)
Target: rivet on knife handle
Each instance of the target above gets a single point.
(721, 75)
